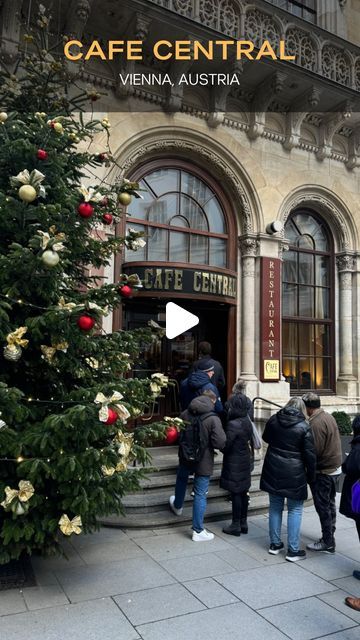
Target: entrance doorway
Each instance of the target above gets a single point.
(176, 357)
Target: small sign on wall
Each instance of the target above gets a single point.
(270, 352)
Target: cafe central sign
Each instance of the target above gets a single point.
(190, 281)
(270, 319)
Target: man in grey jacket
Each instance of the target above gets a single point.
(328, 466)
(215, 438)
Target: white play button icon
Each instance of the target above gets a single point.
(178, 320)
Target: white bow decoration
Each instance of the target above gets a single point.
(114, 401)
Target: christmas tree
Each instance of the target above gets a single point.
(67, 401)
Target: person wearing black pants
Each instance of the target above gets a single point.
(236, 469)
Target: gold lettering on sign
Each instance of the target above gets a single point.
(158, 279)
(197, 281)
(178, 284)
(225, 285)
(205, 282)
(148, 279)
(168, 278)
(212, 288)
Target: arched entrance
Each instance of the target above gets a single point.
(190, 258)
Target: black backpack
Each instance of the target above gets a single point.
(193, 440)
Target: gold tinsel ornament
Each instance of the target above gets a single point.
(12, 351)
(16, 500)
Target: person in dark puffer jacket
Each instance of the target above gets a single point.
(236, 474)
(290, 463)
(351, 468)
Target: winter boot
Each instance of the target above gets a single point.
(233, 529)
(244, 525)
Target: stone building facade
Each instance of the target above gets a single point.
(220, 167)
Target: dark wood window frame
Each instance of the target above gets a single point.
(306, 320)
(222, 199)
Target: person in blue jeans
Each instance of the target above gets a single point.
(214, 438)
(289, 465)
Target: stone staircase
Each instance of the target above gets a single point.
(149, 507)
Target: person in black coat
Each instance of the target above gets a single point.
(290, 463)
(351, 468)
(236, 473)
(205, 356)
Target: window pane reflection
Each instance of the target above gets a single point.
(289, 300)
(179, 247)
(157, 244)
(217, 252)
(290, 267)
(199, 249)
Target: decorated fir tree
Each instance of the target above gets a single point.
(67, 401)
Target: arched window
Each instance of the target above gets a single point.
(181, 217)
(307, 304)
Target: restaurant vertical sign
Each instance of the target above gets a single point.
(270, 352)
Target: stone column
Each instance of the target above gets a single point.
(330, 15)
(248, 251)
(346, 382)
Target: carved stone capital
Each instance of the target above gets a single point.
(345, 263)
(248, 247)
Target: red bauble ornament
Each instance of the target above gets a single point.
(172, 435)
(85, 210)
(112, 416)
(107, 218)
(42, 154)
(126, 291)
(85, 323)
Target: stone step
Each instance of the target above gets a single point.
(159, 500)
(155, 481)
(165, 518)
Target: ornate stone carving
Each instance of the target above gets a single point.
(183, 7)
(322, 203)
(261, 26)
(248, 247)
(207, 155)
(300, 44)
(357, 74)
(345, 263)
(82, 10)
(336, 65)
(222, 16)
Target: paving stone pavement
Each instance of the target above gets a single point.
(159, 585)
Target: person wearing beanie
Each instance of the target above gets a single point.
(328, 468)
(205, 357)
(197, 382)
(351, 469)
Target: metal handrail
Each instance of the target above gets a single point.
(266, 400)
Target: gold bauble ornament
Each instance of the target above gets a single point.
(3, 116)
(58, 127)
(12, 352)
(125, 198)
(27, 193)
(50, 258)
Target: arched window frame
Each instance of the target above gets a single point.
(298, 320)
(222, 199)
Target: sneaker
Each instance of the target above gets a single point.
(356, 574)
(274, 549)
(203, 536)
(177, 512)
(294, 556)
(320, 545)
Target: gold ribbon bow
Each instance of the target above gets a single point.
(124, 442)
(16, 338)
(47, 237)
(69, 306)
(67, 526)
(23, 493)
(114, 401)
(49, 352)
